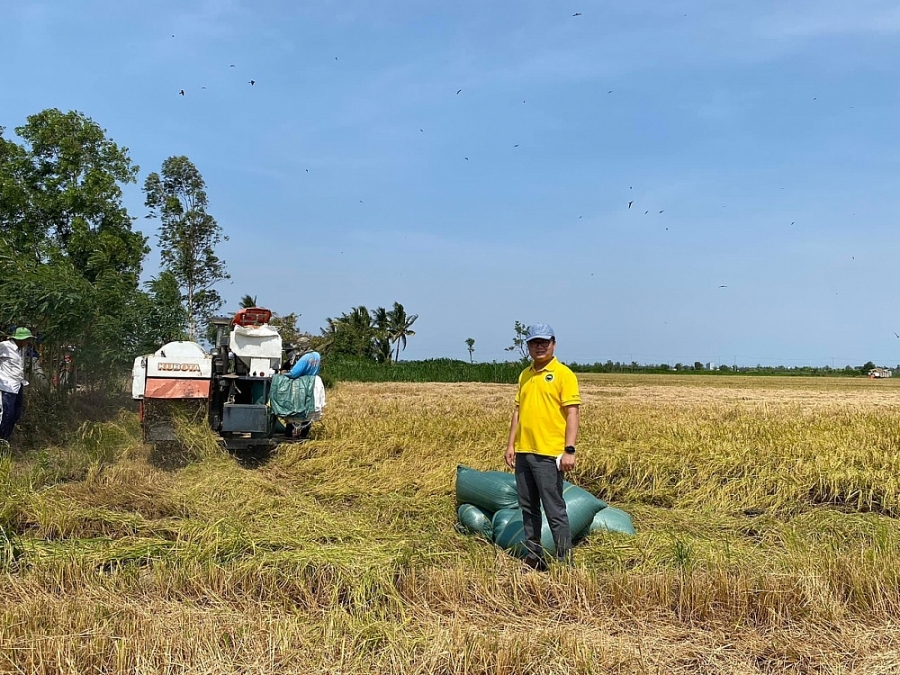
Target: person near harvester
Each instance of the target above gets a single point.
(541, 445)
(12, 380)
(305, 360)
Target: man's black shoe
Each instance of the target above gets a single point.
(536, 563)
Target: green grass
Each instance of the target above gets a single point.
(345, 369)
(432, 370)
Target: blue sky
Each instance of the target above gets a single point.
(757, 141)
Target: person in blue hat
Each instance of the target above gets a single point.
(12, 380)
(541, 445)
(304, 360)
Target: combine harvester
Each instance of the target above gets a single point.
(230, 387)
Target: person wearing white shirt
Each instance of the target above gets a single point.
(12, 380)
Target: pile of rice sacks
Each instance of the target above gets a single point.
(488, 505)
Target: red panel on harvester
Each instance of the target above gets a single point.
(176, 388)
(252, 316)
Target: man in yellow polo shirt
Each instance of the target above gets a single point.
(544, 427)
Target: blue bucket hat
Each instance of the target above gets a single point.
(539, 331)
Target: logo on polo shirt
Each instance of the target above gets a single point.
(548, 377)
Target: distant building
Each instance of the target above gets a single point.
(711, 365)
(878, 373)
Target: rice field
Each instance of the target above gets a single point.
(767, 542)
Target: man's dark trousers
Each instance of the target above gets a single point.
(10, 411)
(539, 481)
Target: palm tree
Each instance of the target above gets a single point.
(328, 335)
(248, 301)
(400, 325)
(381, 342)
(470, 345)
(357, 331)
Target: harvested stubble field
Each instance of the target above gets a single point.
(766, 511)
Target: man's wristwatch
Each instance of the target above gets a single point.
(570, 449)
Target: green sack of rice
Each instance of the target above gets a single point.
(613, 520)
(581, 507)
(475, 520)
(509, 533)
(490, 491)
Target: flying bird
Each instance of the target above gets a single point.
(723, 286)
(181, 93)
(203, 87)
(307, 171)
(610, 91)
(663, 210)
(252, 82)
(457, 91)
(896, 335)
(231, 66)
(466, 158)
(577, 14)
(516, 145)
(646, 212)
(630, 203)
(422, 130)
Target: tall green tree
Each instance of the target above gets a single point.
(69, 258)
(356, 333)
(326, 341)
(400, 327)
(381, 335)
(287, 327)
(25, 233)
(247, 301)
(353, 333)
(70, 195)
(518, 343)
(167, 315)
(188, 237)
(368, 334)
(470, 345)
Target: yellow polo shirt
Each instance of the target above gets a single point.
(542, 398)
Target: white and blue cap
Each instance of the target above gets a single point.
(539, 331)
